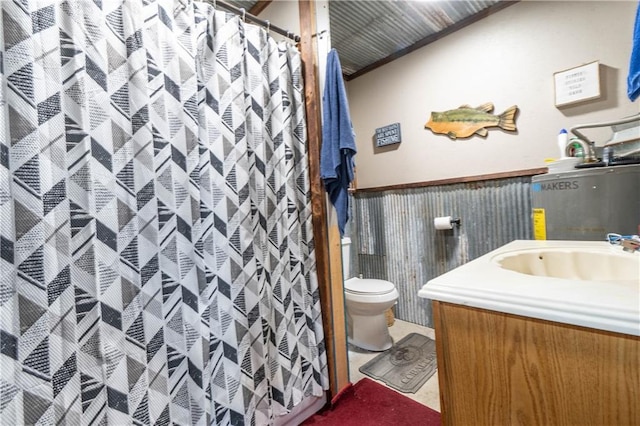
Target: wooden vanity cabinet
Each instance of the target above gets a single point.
(501, 369)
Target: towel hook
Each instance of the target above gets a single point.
(244, 14)
(268, 25)
(319, 34)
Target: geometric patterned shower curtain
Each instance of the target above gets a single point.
(156, 250)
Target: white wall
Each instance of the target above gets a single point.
(507, 58)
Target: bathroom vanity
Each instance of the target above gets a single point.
(540, 333)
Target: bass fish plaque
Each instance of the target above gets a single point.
(467, 121)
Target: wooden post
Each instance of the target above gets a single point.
(327, 239)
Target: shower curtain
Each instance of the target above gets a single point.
(156, 249)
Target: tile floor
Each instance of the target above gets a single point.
(428, 394)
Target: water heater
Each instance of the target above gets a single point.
(586, 204)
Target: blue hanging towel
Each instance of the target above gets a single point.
(633, 81)
(338, 141)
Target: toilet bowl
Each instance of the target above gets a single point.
(366, 301)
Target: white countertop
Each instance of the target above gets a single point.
(481, 283)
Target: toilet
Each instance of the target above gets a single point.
(366, 301)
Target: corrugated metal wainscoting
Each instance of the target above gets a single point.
(394, 238)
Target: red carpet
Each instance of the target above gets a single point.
(368, 403)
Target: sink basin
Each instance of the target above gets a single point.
(585, 283)
(574, 264)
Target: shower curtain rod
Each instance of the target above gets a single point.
(243, 13)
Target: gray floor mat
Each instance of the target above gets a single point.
(407, 365)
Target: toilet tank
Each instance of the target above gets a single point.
(346, 258)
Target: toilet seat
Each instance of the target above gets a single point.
(368, 286)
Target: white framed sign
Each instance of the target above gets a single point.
(577, 84)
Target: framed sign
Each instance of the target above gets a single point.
(388, 135)
(577, 84)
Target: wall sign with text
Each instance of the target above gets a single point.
(388, 135)
(577, 84)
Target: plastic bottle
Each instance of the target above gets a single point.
(563, 137)
(575, 148)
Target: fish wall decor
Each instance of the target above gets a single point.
(466, 121)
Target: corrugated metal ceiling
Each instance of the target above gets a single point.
(368, 33)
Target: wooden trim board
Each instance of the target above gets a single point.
(328, 249)
(451, 181)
